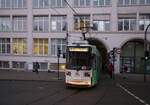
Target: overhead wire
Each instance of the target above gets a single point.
(71, 7)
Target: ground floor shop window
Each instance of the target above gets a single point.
(54, 66)
(43, 66)
(18, 65)
(4, 64)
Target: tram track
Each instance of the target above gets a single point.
(54, 94)
(43, 97)
(102, 97)
(66, 97)
(62, 96)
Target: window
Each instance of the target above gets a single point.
(101, 2)
(127, 25)
(127, 2)
(101, 22)
(101, 25)
(58, 23)
(19, 23)
(19, 3)
(57, 43)
(19, 46)
(54, 66)
(57, 3)
(4, 45)
(82, 3)
(133, 2)
(81, 22)
(18, 65)
(5, 3)
(4, 64)
(40, 46)
(144, 21)
(13, 4)
(144, 2)
(40, 24)
(40, 3)
(127, 22)
(5, 25)
(43, 65)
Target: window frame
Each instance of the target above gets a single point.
(57, 4)
(129, 25)
(5, 45)
(37, 4)
(86, 3)
(58, 23)
(17, 44)
(5, 21)
(40, 46)
(58, 43)
(19, 23)
(41, 23)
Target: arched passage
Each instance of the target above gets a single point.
(102, 49)
(132, 56)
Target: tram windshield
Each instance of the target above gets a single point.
(78, 60)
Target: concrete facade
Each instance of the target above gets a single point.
(110, 39)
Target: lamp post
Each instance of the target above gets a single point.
(145, 51)
(58, 55)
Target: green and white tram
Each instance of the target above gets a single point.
(83, 64)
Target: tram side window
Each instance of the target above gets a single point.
(93, 61)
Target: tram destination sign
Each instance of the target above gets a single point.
(78, 49)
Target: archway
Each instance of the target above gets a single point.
(102, 50)
(132, 56)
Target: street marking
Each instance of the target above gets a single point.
(133, 95)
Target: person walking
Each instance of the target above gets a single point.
(36, 67)
(111, 67)
(125, 69)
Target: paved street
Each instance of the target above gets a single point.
(54, 92)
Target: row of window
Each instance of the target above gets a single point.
(51, 3)
(133, 2)
(24, 65)
(62, 3)
(81, 22)
(13, 4)
(41, 46)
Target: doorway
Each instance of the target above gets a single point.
(132, 56)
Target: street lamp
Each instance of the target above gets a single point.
(145, 51)
(58, 55)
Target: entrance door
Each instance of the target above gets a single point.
(132, 56)
(134, 64)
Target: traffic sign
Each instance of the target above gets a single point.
(118, 50)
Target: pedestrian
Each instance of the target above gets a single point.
(111, 69)
(125, 69)
(36, 67)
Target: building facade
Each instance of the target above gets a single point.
(33, 30)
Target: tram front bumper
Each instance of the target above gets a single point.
(79, 83)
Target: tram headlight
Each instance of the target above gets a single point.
(87, 74)
(68, 73)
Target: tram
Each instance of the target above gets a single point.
(83, 65)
